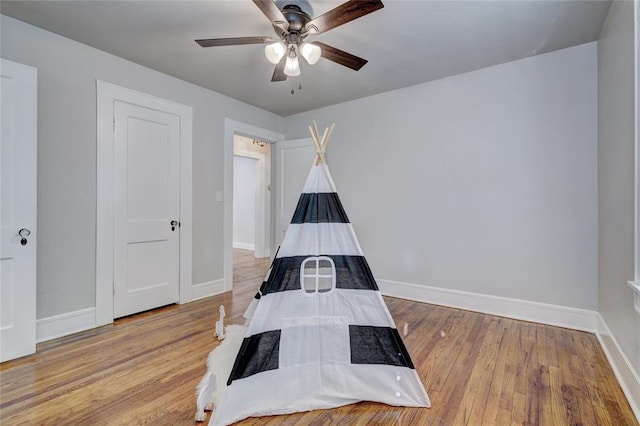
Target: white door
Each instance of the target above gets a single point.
(18, 211)
(293, 162)
(146, 209)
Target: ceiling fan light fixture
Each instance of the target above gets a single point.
(311, 53)
(292, 66)
(275, 51)
(292, 26)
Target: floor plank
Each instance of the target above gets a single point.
(477, 369)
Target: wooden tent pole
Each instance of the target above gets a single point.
(321, 144)
(326, 142)
(314, 137)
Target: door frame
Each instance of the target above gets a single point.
(231, 128)
(276, 155)
(635, 284)
(107, 94)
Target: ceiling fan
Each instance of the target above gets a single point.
(293, 26)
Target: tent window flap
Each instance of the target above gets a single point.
(317, 275)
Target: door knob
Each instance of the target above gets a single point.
(173, 224)
(24, 233)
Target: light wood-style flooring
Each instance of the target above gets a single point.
(477, 369)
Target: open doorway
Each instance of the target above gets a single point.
(234, 129)
(251, 198)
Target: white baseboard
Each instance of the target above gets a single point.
(207, 289)
(244, 246)
(264, 254)
(561, 316)
(628, 378)
(64, 324)
(72, 322)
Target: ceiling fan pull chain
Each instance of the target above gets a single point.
(293, 91)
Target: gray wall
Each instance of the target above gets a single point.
(67, 158)
(616, 178)
(483, 182)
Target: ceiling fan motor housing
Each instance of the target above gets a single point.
(296, 17)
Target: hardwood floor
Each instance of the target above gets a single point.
(477, 369)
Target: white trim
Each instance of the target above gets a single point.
(635, 286)
(244, 246)
(64, 324)
(636, 9)
(231, 128)
(622, 368)
(207, 289)
(106, 95)
(560, 316)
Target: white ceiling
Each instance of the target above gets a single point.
(407, 42)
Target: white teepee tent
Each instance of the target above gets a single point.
(319, 334)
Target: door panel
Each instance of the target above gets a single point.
(293, 161)
(146, 200)
(18, 210)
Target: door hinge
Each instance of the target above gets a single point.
(114, 124)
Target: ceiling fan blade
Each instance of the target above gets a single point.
(346, 12)
(278, 72)
(340, 56)
(273, 13)
(232, 41)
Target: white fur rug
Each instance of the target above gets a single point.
(219, 364)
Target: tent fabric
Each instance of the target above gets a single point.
(352, 272)
(323, 345)
(318, 208)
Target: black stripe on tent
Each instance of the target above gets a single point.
(258, 353)
(352, 272)
(377, 345)
(319, 208)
